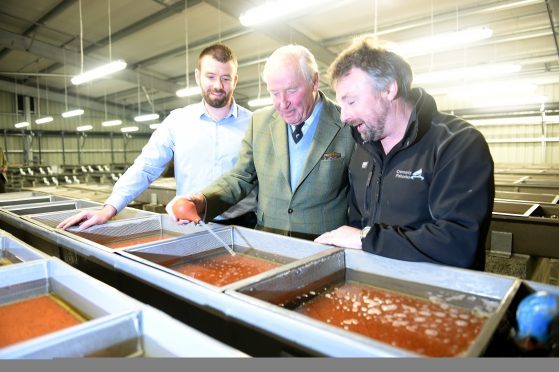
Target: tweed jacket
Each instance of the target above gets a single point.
(319, 202)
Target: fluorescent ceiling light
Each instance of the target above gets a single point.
(518, 120)
(146, 117)
(44, 120)
(467, 73)
(443, 41)
(505, 89)
(273, 10)
(154, 126)
(111, 123)
(518, 100)
(188, 92)
(99, 72)
(22, 124)
(71, 113)
(129, 129)
(257, 102)
(83, 128)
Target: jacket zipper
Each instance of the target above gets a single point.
(366, 200)
(377, 202)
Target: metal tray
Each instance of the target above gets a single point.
(158, 226)
(282, 251)
(51, 220)
(24, 198)
(118, 325)
(20, 195)
(463, 288)
(514, 208)
(14, 251)
(36, 208)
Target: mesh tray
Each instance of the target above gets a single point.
(49, 207)
(254, 245)
(53, 219)
(120, 234)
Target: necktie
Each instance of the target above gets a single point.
(297, 132)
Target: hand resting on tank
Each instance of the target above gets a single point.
(87, 219)
(344, 236)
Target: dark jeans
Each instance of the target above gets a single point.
(244, 220)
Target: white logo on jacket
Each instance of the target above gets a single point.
(409, 175)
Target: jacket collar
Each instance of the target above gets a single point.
(329, 124)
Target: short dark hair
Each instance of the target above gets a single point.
(382, 65)
(219, 52)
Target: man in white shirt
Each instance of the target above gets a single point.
(202, 138)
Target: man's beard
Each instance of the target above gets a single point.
(217, 102)
(375, 133)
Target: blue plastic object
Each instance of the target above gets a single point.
(534, 315)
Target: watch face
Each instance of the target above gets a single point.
(365, 231)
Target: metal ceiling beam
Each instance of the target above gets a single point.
(56, 10)
(198, 45)
(552, 24)
(409, 24)
(133, 28)
(284, 34)
(39, 48)
(8, 86)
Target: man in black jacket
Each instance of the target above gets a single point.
(421, 181)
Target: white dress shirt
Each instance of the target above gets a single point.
(202, 148)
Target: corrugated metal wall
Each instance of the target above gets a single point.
(510, 144)
(57, 142)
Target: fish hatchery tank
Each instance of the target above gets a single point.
(201, 257)
(429, 321)
(401, 311)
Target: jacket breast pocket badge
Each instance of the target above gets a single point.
(331, 155)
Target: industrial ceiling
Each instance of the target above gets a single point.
(41, 43)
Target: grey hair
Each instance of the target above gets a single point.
(307, 62)
(382, 65)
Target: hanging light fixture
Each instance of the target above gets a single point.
(111, 123)
(102, 70)
(69, 113)
(260, 101)
(480, 72)
(144, 117)
(99, 72)
(188, 92)
(84, 128)
(72, 113)
(273, 10)
(129, 129)
(21, 124)
(154, 126)
(442, 41)
(46, 119)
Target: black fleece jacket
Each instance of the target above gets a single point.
(430, 199)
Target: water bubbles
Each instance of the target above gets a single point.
(431, 332)
(388, 307)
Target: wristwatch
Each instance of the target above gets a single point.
(364, 232)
